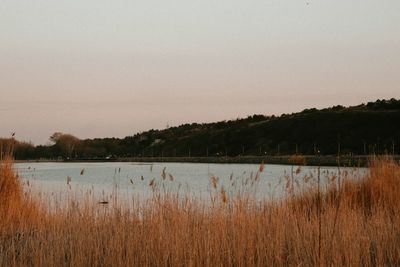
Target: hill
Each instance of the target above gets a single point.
(372, 128)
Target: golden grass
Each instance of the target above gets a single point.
(17, 210)
(357, 224)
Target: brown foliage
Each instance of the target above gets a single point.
(360, 227)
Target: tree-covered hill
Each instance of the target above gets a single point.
(372, 128)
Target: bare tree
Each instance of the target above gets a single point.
(67, 143)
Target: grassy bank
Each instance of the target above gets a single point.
(355, 224)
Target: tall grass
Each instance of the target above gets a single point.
(356, 224)
(17, 209)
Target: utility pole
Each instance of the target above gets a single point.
(207, 152)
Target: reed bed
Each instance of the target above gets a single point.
(354, 224)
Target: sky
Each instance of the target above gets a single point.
(97, 68)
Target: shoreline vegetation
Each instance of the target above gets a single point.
(366, 129)
(308, 160)
(348, 223)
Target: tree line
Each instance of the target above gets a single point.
(372, 128)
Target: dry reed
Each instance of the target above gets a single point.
(356, 224)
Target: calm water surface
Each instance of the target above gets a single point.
(61, 180)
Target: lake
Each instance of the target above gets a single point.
(58, 181)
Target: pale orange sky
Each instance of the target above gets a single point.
(113, 68)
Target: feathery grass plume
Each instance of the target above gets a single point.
(224, 196)
(288, 184)
(163, 173)
(214, 181)
(307, 178)
(262, 167)
(82, 171)
(69, 179)
(171, 177)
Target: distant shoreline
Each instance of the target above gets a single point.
(310, 160)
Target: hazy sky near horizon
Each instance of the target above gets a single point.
(99, 68)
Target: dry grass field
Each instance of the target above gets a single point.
(355, 224)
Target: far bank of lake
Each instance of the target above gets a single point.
(308, 160)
